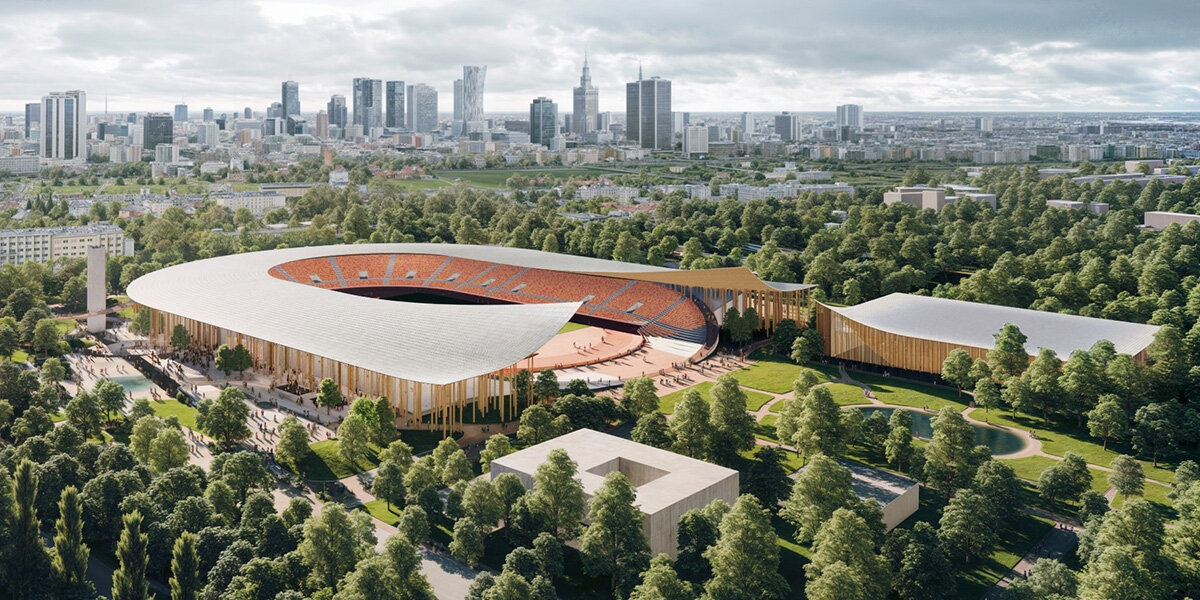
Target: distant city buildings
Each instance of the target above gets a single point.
(46, 244)
(157, 128)
(648, 118)
(787, 127)
(33, 114)
(422, 108)
(290, 98)
(368, 103)
(472, 94)
(63, 123)
(850, 115)
(336, 108)
(394, 102)
(586, 104)
(181, 113)
(695, 141)
(543, 121)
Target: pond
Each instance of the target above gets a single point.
(137, 385)
(1000, 442)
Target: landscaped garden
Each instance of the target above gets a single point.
(754, 400)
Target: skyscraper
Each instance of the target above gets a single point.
(472, 93)
(321, 129)
(290, 92)
(275, 110)
(181, 115)
(208, 115)
(850, 115)
(458, 102)
(394, 101)
(422, 108)
(648, 117)
(337, 111)
(368, 103)
(247, 113)
(156, 129)
(747, 123)
(787, 127)
(587, 103)
(33, 114)
(64, 125)
(543, 121)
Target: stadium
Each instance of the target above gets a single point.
(468, 317)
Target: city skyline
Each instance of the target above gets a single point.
(887, 57)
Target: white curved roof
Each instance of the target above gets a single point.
(974, 324)
(430, 343)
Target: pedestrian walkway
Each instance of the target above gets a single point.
(1056, 544)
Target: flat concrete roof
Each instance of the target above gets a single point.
(974, 324)
(875, 484)
(680, 477)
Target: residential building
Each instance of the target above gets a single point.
(394, 103)
(695, 140)
(64, 126)
(984, 124)
(587, 103)
(258, 203)
(290, 92)
(648, 117)
(19, 165)
(46, 244)
(543, 121)
(850, 115)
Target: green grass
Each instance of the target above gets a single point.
(666, 404)
(379, 510)
(1157, 496)
(497, 178)
(20, 356)
(65, 326)
(773, 374)
(58, 417)
(569, 327)
(325, 464)
(890, 390)
(174, 408)
(845, 394)
(1058, 438)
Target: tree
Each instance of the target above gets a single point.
(819, 490)
(549, 553)
(840, 543)
(180, 337)
(333, 543)
(225, 417)
(70, 553)
(293, 443)
(389, 484)
(1017, 395)
(83, 412)
(661, 582)
(698, 531)
(1082, 379)
(956, 368)
(385, 423)
(640, 396)
(169, 450)
(627, 249)
(963, 530)
(242, 472)
(613, 543)
(129, 580)
(732, 428)
(421, 476)
(987, 394)
(1054, 484)
(652, 429)
(354, 439)
(1043, 376)
(1008, 357)
(950, 459)
(226, 361)
(497, 445)
(27, 562)
(767, 477)
(997, 482)
(467, 542)
(537, 426)
(546, 385)
(690, 426)
(185, 568)
(1117, 574)
(141, 322)
(414, 523)
(1049, 580)
(558, 494)
(785, 334)
(1160, 427)
(110, 395)
(144, 431)
(898, 446)
(481, 503)
(328, 394)
(1107, 420)
(45, 337)
(1127, 476)
(53, 371)
(745, 558)
(458, 468)
(398, 452)
(807, 346)
(818, 427)
(920, 567)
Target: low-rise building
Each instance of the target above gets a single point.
(46, 244)
(258, 203)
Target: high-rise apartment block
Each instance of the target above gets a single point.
(290, 98)
(587, 103)
(648, 117)
(394, 101)
(64, 125)
(850, 115)
(368, 103)
(543, 121)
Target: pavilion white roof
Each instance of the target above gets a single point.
(974, 324)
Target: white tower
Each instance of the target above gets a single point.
(97, 291)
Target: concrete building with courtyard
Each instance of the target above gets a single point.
(668, 484)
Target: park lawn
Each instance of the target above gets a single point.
(845, 394)
(379, 510)
(325, 464)
(1059, 438)
(570, 326)
(773, 374)
(792, 555)
(58, 417)
(174, 408)
(1031, 467)
(64, 326)
(890, 390)
(20, 356)
(666, 404)
(497, 178)
(765, 429)
(1157, 496)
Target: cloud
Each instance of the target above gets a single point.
(761, 56)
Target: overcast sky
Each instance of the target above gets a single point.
(998, 55)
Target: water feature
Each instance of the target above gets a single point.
(999, 441)
(137, 385)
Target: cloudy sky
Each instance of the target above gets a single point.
(994, 55)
